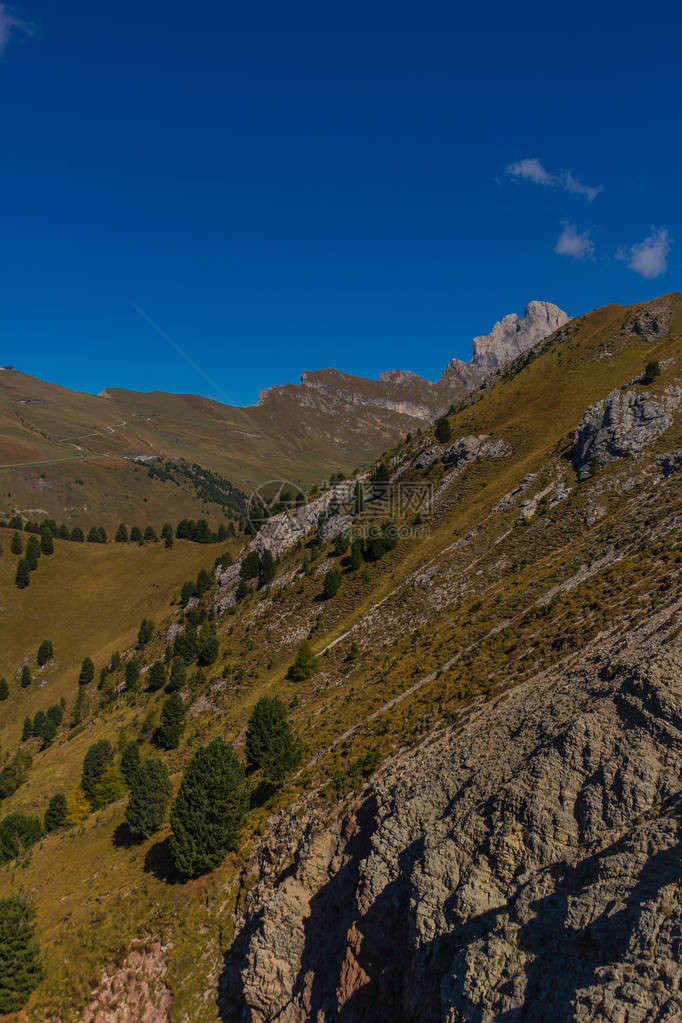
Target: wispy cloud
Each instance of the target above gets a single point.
(575, 243)
(650, 257)
(531, 169)
(9, 23)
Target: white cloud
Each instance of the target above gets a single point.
(650, 257)
(10, 23)
(572, 242)
(531, 169)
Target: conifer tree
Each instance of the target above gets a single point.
(130, 761)
(271, 744)
(25, 676)
(305, 664)
(45, 652)
(4, 689)
(209, 809)
(332, 582)
(356, 553)
(32, 552)
(209, 652)
(136, 535)
(27, 730)
(132, 674)
(21, 967)
(167, 534)
(77, 535)
(55, 815)
(156, 676)
(121, 534)
(145, 632)
(267, 568)
(46, 541)
(98, 758)
(23, 577)
(16, 546)
(77, 807)
(87, 672)
(172, 725)
(150, 793)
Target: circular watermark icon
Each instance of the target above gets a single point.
(274, 497)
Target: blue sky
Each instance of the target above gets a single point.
(284, 187)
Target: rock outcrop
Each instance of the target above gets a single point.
(466, 885)
(622, 424)
(508, 339)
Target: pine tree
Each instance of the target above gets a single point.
(121, 534)
(78, 708)
(45, 652)
(169, 732)
(267, 568)
(23, 577)
(25, 676)
(150, 793)
(250, 566)
(209, 652)
(356, 553)
(145, 632)
(32, 552)
(16, 546)
(55, 815)
(77, 535)
(63, 532)
(305, 664)
(443, 430)
(177, 675)
(87, 672)
(271, 744)
(46, 541)
(156, 676)
(332, 581)
(130, 762)
(136, 535)
(132, 674)
(204, 582)
(98, 758)
(21, 967)
(209, 809)
(186, 593)
(341, 544)
(4, 689)
(27, 730)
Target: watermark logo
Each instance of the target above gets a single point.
(274, 497)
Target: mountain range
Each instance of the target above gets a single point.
(86, 459)
(469, 803)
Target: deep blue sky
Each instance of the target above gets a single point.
(285, 186)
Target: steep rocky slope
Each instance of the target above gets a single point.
(486, 728)
(525, 865)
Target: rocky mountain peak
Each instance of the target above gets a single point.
(509, 338)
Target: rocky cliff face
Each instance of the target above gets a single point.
(508, 339)
(524, 867)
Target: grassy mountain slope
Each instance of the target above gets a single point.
(443, 623)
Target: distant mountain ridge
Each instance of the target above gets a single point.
(408, 394)
(81, 457)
